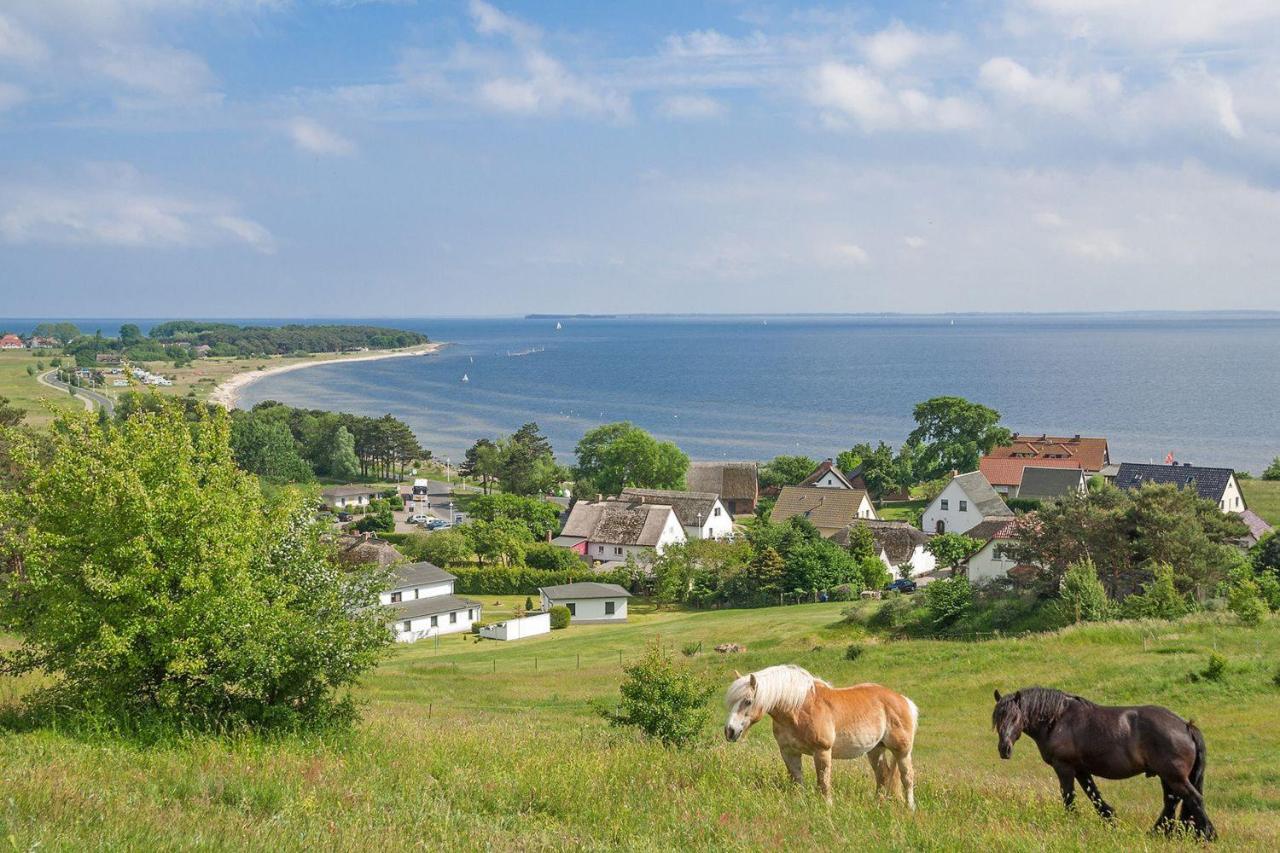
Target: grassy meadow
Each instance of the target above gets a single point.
(486, 745)
(28, 394)
(1263, 497)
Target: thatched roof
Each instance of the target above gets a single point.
(732, 481)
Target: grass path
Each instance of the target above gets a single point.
(484, 745)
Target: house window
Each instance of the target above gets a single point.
(945, 505)
(395, 597)
(599, 549)
(617, 551)
(573, 608)
(453, 618)
(716, 512)
(406, 627)
(435, 621)
(964, 506)
(470, 616)
(608, 608)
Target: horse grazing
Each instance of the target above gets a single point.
(810, 717)
(1080, 740)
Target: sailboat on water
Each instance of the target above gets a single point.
(558, 326)
(466, 378)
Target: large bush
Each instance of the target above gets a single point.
(947, 600)
(521, 580)
(559, 617)
(548, 557)
(662, 698)
(1159, 598)
(153, 580)
(1082, 596)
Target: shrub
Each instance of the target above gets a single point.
(690, 649)
(1159, 598)
(559, 617)
(544, 555)
(947, 600)
(477, 625)
(853, 652)
(443, 548)
(528, 605)
(1215, 670)
(1269, 589)
(843, 592)
(663, 699)
(1082, 596)
(1245, 601)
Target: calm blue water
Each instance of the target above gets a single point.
(1205, 387)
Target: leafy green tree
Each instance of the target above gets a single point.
(1273, 470)
(10, 415)
(544, 555)
(615, 456)
(343, 464)
(1159, 598)
(1266, 555)
(130, 335)
(503, 540)
(187, 597)
(378, 518)
(952, 434)
(63, 333)
(1083, 597)
(952, 549)
(1244, 597)
(662, 698)
(878, 466)
(526, 467)
(767, 574)
(539, 516)
(266, 447)
(947, 599)
(862, 542)
(443, 548)
(785, 471)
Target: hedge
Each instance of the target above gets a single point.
(521, 580)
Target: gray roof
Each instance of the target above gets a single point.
(1209, 483)
(1048, 483)
(584, 589)
(617, 522)
(349, 491)
(897, 539)
(688, 505)
(430, 605)
(419, 574)
(981, 495)
(732, 481)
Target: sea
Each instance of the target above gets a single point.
(1204, 387)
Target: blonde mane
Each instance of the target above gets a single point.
(778, 688)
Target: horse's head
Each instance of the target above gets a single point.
(1008, 719)
(744, 711)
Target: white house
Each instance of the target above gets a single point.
(828, 476)
(588, 603)
(422, 603)
(603, 531)
(993, 562)
(344, 497)
(965, 503)
(701, 514)
(897, 544)
(517, 629)
(413, 581)
(1213, 484)
(831, 510)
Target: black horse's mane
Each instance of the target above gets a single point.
(1044, 705)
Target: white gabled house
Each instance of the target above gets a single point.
(344, 497)
(606, 531)
(897, 544)
(588, 603)
(422, 604)
(701, 514)
(965, 503)
(1212, 484)
(993, 562)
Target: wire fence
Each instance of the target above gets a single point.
(525, 664)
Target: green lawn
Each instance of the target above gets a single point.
(902, 510)
(1263, 497)
(25, 392)
(490, 745)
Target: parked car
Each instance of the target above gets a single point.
(436, 524)
(345, 516)
(901, 585)
(419, 518)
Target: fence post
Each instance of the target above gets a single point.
(535, 663)
(495, 664)
(619, 657)
(429, 707)
(579, 660)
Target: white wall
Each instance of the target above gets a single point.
(1232, 499)
(412, 593)
(830, 481)
(672, 533)
(591, 609)
(344, 501)
(866, 509)
(921, 561)
(421, 628)
(956, 519)
(715, 527)
(517, 629)
(988, 565)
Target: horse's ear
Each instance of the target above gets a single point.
(737, 674)
(753, 681)
(997, 695)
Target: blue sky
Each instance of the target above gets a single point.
(277, 158)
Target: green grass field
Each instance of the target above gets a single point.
(488, 745)
(25, 392)
(1263, 497)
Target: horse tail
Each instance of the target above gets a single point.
(1197, 769)
(915, 717)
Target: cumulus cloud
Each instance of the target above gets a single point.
(1154, 22)
(114, 207)
(1056, 92)
(914, 241)
(853, 92)
(155, 70)
(704, 44)
(896, 46)
(850, 253)
(691, 107)
(314, 138)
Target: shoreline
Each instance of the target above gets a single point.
(227, 394)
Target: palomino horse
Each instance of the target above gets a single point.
(1080, 740)
(810, 717)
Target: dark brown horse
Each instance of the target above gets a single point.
(1080, 740)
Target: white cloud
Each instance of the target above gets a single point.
(1057, 93)
(1153, 22)
(490, 20)
(691, 107)
(18, 45)
(896, 46)
(706, 44)
(11, 96)
(1049, 219)
(314, 138)
(850, 253)
(853, 92)
(112, 206)
(155, 70)
(1098, 245)
(914, 241)
(1213, 94)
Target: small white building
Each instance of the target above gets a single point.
(701, 514)
(517, 629)
(965, 503)
(589, 603)
(993, 561)
(345, 497)
(897, 544)
(603, 531)
(413, 581)
(423, 605)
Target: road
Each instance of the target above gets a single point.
(441, 494)
(87, 395)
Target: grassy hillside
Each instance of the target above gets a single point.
(1263, 497)
(471, 746)
(25, 392)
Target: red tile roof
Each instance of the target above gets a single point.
(1008, 472)
(1092, 453)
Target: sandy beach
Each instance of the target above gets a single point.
(228, 393)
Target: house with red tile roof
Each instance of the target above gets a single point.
(1005, 475)
(11, 341)
(1092, 454)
